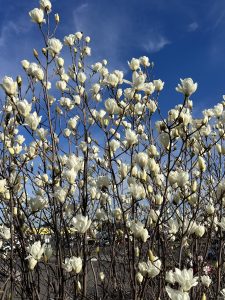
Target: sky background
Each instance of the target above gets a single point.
(184, 38)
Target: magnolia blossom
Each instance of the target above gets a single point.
(38, 203)
(139, 231)
(69, 40)
(81, 77)
(36, 250)
(9, 86)
(134, 64)
(206, 280)
(3, 186)
(61, 85)
(36, 71)
(185, 279)
(150, 269)
(24, 107)
(180, 177)
(176, 294)
(5, 232)
(46, 5)
(81, 223)
(60, 194)
(73, 264)
(142, 159)
(37, 15)
(131, 137)
(187, 87)
(33, 120)
(55, 45)
(159, 84)
(144, 61)
(111, 106)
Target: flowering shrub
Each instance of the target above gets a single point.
(98, 199)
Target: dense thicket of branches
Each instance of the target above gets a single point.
(101, 196)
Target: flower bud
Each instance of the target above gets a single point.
(203, 297)
(151, 256)
(139, 277)
(35, 52)
(57, 18)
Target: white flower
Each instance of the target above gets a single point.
(199, 230)
(32, 120)
(76, 263)
(3, 186)
(78, 35)
(159, 84)
(5, 232)
(218, 110)
(114, 145)
(37, 15)
(131, 137)
(206, 280)
(25, 63)
(134, 64)
(70, 175)
(151, 105)
(201, 164)
(149, 88)
(72, 123)
(180, 177)
(185, 279)
(96, 67)
(187, 86)
(36, 250)
(101, 276)
(151, 269)
(9, 86)
(137, 191)
(61, 85)
(73, 264)
(38, 203)
(144, 60)
(170, 277)
(69, 40)
(81, 223)
(111, 106)
(139, 277)
(139, 231)
(46, 5)
(32, 263)
(60, 194)
(141, 159)
(24, 107)
(36, 71)
(111, 80)
(123, 170)
(176, 294)
(81, 77)
(55, 45)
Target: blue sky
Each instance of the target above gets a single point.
(185, 38)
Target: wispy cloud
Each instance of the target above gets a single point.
(156, 43)
(192, 27)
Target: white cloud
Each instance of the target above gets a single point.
(156, 43)
(193, 26)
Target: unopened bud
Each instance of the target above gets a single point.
(204, 296)
(19, 80)
(151, 256)
(57, 18)
(44, 51)
(35, 52)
